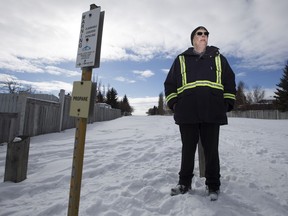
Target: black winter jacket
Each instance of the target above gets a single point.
(204, 97)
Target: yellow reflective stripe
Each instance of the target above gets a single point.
(230, 96)
(170, 96)
(202, 83)
(218, 69)
(183, 69)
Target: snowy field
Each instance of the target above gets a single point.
(132, 162)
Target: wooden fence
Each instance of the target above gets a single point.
(21, 114)
(259, 114)
(8, 126)
(41, 117)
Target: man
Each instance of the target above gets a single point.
(200, 89)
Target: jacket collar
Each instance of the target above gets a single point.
(210, 51)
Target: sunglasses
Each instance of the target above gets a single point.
(201, 33)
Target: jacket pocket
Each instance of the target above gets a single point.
(217, 100)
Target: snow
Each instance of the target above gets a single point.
(131, 163)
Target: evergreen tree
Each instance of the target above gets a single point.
(161, 104)
(240, 95)
(282, 92)
(111, 98)
(100, 97)
(153, 111)
(125, 107)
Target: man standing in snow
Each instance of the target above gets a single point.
(200, 89)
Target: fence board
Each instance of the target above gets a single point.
(67, 121)
(42, 117)
(9, 103)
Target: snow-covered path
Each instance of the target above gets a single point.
(131, 163)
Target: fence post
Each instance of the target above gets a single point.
(22, 110)
(17, 160)
(277, 114)
(62, 101)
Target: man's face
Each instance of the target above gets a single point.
(201, 38)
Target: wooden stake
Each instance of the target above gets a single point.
(78, 157)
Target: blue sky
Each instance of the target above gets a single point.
(140, 41)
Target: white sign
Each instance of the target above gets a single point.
(81, 98)
(87, 45)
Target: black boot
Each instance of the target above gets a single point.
(213, 194)
(180, 189)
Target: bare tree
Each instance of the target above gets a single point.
(256, 95)
(9, 86)
(14, 87)
(249, 98)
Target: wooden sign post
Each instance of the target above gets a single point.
(88, 57)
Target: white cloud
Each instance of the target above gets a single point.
(144, 74)
(51, 87)
(123, 79)
(37, 36)
(166, 71)
(26, 65)
(241, 74)
(14, 63)
(141, 30)
(7, 77)
(60, 71)
(269, 93)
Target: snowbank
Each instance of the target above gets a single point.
(131, 163)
